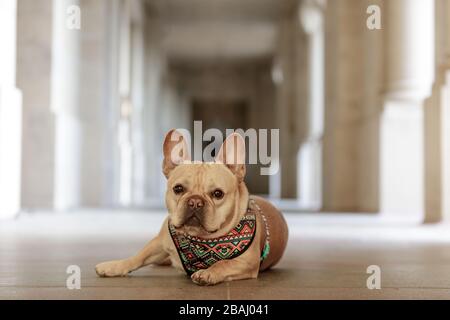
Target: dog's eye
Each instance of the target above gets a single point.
(218, 194)
(178, 189)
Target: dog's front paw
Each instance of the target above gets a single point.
(206, 277)
(115, 268)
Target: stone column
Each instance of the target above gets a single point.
(139, 173)
(353, 67)
(65, 101)
(99, 102)
(371, 105)
(81, 100)
(409, 74)
(284, 184)
(155, 66)
(126, 106)
(111, 107)
(310, 153)
(437, 125)
(34, 61)
(344, 104)
(10, 114)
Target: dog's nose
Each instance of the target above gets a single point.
(195, 203)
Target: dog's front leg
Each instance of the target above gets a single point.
(152, 253)
(227, 270)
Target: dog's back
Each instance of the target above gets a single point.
(278, 232)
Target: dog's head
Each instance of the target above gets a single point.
(205, 199)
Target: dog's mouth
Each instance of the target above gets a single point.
(193, 223)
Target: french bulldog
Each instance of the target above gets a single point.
(214, 230)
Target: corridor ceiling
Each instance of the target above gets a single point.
(219, 29)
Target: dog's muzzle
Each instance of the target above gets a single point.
(194, 210)
(195, 204)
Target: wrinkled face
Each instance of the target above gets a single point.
(201, 198)
(204, 199)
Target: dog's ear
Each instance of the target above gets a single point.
(232, 154)
(175, 151)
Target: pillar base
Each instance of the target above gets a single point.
(310, 175)
(401, 159)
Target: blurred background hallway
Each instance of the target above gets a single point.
(360, 90)
(361, 111)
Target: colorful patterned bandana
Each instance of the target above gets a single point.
(197, 253)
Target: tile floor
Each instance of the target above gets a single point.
(326, 258)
